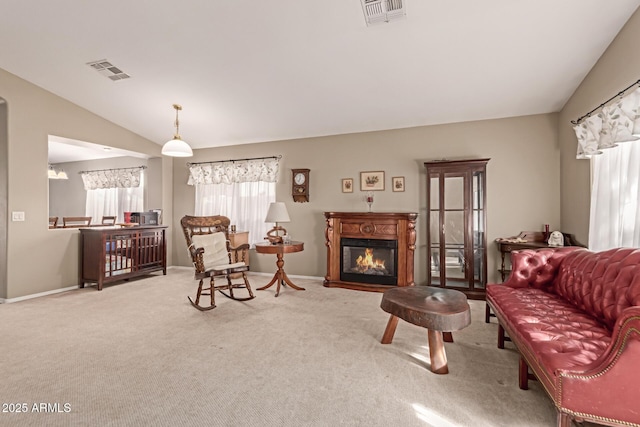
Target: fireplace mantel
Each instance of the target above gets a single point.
(397, 226)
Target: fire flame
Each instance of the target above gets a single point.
(367, 261)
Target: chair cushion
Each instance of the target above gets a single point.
(215, 256)
(229, 266)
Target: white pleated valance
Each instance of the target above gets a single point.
(112, 178)
(616, 123)
(234, 171)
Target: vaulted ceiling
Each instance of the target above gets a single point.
(250, 71)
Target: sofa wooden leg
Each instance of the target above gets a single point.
(523, 374)
(500, 336)
(487, 313)
(564, 420)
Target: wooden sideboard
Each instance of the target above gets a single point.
(526, 240)
(108, 254)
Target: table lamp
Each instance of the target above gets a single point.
(277, 213)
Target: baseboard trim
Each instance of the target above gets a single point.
(39, 294)
(70, 288)
(55, 291)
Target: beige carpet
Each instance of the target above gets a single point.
(137, 353)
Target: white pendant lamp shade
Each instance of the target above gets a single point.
(176, 147)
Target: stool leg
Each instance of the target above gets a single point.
(436, 353)
(387, 337)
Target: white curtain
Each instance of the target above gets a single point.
(112, 178)
(234, 171)
(615, 198)
(239, 190)
(608, 139)
(616, 123)
(245, 204)
(115, 201)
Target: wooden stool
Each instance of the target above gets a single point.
(439, 310)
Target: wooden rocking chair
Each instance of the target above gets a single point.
(212, 256)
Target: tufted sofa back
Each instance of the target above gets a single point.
(536, 268)
(600, 283)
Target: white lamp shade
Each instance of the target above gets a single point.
(62, 175)
(177, 148)
(277, 213)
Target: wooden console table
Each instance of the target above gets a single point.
(112, 253)
(527, 240)
(280, 249)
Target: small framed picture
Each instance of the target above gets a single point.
(347, 185)
(372, 181)
(397, 183)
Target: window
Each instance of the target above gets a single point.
(244, 203)
(615, 197)
(114, 201)
(610, 140)
(241, 190)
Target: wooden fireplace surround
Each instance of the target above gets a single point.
(370, 225)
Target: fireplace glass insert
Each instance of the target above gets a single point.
(369, 261)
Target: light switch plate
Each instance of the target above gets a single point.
(17, 216)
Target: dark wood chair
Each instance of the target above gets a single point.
(76, 221)
(108, 220)
(213, 257)
(53, 221)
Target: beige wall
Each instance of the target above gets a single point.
(522, 178)
(40, 260)
(616, 69)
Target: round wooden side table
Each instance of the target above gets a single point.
(280, 249)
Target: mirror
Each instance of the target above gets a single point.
(68, 197)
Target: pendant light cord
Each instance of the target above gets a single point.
(178, 108)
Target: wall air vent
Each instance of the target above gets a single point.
(379, 11)
(109, 70)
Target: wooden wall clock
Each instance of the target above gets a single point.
(300, 185)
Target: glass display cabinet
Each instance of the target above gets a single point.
(456, 224)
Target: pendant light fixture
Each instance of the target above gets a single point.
(54, 174)
(177, 147)
(51, 172)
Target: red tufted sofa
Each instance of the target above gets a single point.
(574, 316)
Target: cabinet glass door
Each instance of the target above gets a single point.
(456, 224)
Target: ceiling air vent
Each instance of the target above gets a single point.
(378, 11)
(109, 70)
